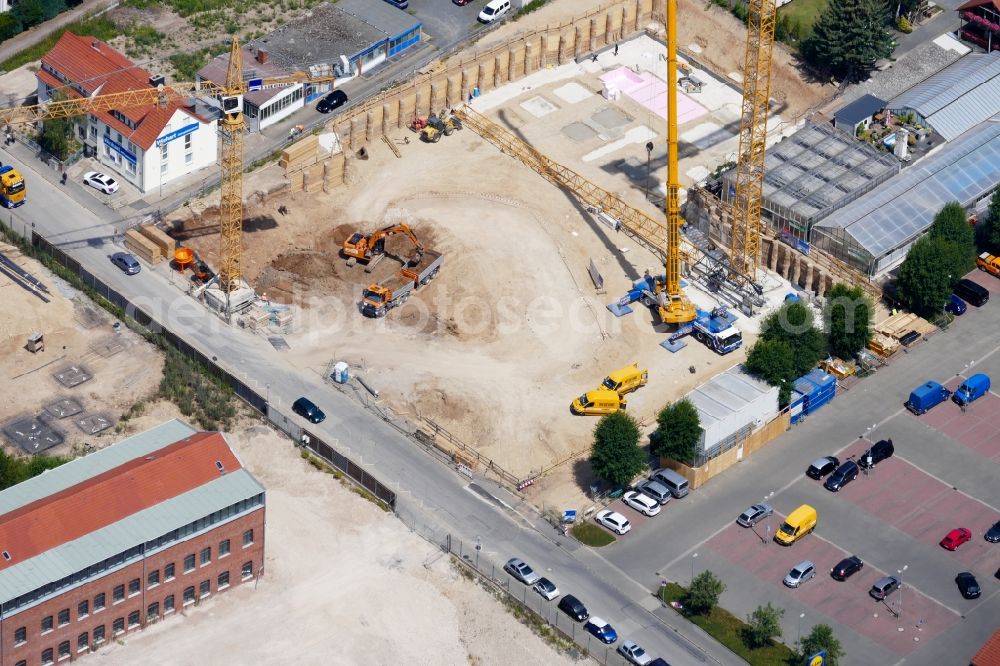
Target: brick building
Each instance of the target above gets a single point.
(123, 537)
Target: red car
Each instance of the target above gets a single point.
(461, 2)
(956, 538)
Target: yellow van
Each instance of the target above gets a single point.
(598, 402)
(626, 380)
(799, 523)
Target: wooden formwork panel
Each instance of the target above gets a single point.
(166, 244)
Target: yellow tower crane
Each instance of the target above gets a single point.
(674, 306)
(232, 126)
(744, 254)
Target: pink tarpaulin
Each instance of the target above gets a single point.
(651, 92)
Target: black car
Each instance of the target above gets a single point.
(879, 451)
(993, 534)
(334, 100)
(574, 608)
(822, 467)
(305, 408)
(840, 478)
(967, 585)
(846, 568)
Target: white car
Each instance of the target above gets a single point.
(546, 588)
(100, 181)
(641, 502)
(614, 521)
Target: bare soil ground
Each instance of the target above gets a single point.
(77, 332)
(345, 583)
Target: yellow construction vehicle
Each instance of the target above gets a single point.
(11, 187)
(365, 248)
(598, 402)
(444, 123)
(626, 380)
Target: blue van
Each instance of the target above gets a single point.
(925, 396)
(972, 389)
(955, 305)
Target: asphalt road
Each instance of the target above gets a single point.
(431, 496)
(445, 22)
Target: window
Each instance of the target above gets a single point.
(47, 656)
(63, 617)
(23, 662)
(247, 538)
(99, 634)
(206, 555)
(247, 570)
(153, 610)
(188, 563)
(188, 595)
(119, 593)
(20, 635)
(224, 548)
(187, 142)
(168, 572)
(163, 168)
(64, 649)
(205, 588)
(82, 609)
(133, 586)
(153, 579)
(168, 604)
(223, 580)
(46, 624)
(188, 158)
(99, 602)
(118, 626)
(82, 641)
(133, 619)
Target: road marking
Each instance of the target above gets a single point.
(948, 485)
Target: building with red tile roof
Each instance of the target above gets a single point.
(124, 536)
(989, 654)
(147, 146)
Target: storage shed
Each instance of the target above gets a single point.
(731, 406)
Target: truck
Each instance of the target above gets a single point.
(12, 192)
(378, 298)
(713, 329)
(989, 263)
(925, 396)
(799, 523)
(598, 402)
(971, 389)
(626, 380)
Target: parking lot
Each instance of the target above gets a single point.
(942, 476)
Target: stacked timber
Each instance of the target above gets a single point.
(300, 154)
(902, 323)
(882, 345)
(142, 247)
(166, 244)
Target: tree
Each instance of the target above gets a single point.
(847, 319)
(924, 281)
(951, 225)
(678, 432)
(57, 137)
(771, 360)
(848, 38)
(29, 12)
(9, 25)
(821, 638)
(704, 593)
(616, 455)
(794, 324)
(763, 625)
(990, 238)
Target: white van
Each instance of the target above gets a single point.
(493, 10)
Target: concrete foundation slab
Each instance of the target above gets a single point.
(93, 423)
(73, 375)
(572, 93)
(579, 131)
(32, 435)
(60, 409)
(538, 106)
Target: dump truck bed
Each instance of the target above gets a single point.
(429, 261)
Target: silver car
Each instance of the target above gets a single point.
(754, 515)
(521, 571)
(656, 490)
(800, 573)
(634, 653)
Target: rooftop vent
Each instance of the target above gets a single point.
(6, 555)
(220, 467)
(262, 56)
(156, 80)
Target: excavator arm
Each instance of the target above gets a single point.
(367, 247)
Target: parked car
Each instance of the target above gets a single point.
(843, 475)
(602, 630)
(633, 653)
(846, 568)
(546, 588)
(308, 410)
(614, 521)
(800, 573)
(574, 608)
(126, 262)
(754, 515)
(993, 534)
(822, 467)
(101, 182)
(956, 538)
(878, 452)
(955, 305)
(968, 585)
(493, 10)
(926, 396)
(641, 502)
(461, 3)
(656, 490)
(883, 587)
(520, 570)
(334, 100)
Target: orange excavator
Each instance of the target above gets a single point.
(365, 248)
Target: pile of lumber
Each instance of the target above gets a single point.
(902, 323)
(256, 318)
(166, 244)
(300, 154)
(142, 247)
(883, 345)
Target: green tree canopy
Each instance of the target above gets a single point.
(990, 238)
(9, 25)
(794, 324)
(678, 432)
(925, 278)
(763, 624)
(771, 360)
(951, 225)
(616, 456)
(848, 38)
(847, 319)
(29, 12)
(821, 638)
(704, 593)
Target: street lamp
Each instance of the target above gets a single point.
(801, 615)
(268, 386)
(649, 153)
(479, 547)
(693, 558)
(767, 524)
(900, 572)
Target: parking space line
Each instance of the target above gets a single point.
(948, 485)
